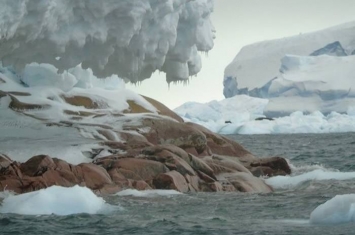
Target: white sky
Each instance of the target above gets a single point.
(239, 23)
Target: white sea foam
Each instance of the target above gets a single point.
(56, 200)
(340, 209)
(148, 193)
(278, 182)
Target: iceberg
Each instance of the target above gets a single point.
(339, 209)
(131, 39)
(56, 200)
(243, 114)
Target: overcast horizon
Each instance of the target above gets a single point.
(240, 23)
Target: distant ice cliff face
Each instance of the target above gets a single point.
(129, 38)
(307, 72)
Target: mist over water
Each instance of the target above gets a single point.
(286, 211)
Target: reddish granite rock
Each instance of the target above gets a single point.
(108, 189)
(141, 185)
(176, 150)
(158, 151)
(11, 170)
(161, 157)
(142, 168)
(225, 164)
(37, 165)
(94, 176)
(172, 161)
(193, 182)
(221, 145)
(53, 177)
(199, 165)
(167, 131)
(216, 187)
(11, 184)
(244, 182)
(270, 166)
(5, 161)
(205, 177)
(171, 180)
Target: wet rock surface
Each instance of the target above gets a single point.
(149, 166)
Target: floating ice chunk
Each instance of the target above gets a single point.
(56, 200)
(319, 174)
(148, 193)
(236, 109)
(241, 115)
(339, 209)
(351, 111)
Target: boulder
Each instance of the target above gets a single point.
(193, 182)
(139, 169)
(11, 184)
(167, 131)
(172, 161)
(244, 182)
(200, 165)
(37, 165)
(224, 164)
(163, 110)
(221, 145)
(141, 185)
(270, 166)
(94, 176)
(5, 161)
(171, 180)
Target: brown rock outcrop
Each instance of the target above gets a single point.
(171, 180)
(152, 152)
(270, 167)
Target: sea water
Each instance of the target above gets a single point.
(316, 199)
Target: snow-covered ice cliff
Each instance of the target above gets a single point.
(308, 72)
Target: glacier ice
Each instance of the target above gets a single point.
(56, 200)
(323, 83)
(258, 63)
(131, 39)
(308, 72)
